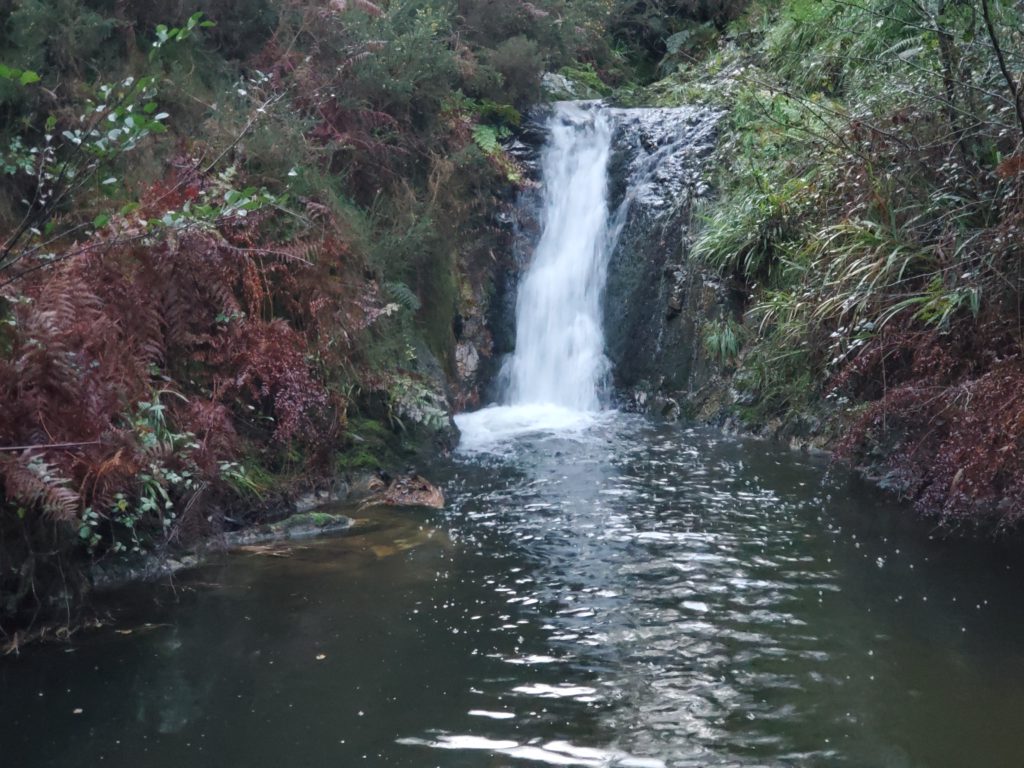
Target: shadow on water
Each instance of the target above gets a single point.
(631, 595)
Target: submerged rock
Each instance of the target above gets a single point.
(300, 526)
(115, 572)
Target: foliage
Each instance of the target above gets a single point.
(947, 426)
(585, 75)
(656, 27)
(487, 137)
(519, 62)
(870, 214)
(722, 341)
(404, 295)
(233, 239)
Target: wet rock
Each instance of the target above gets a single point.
(315, 499)
(669, 409)
(408, 491)
(634, 401)
(743, 397)
(467, 360)
(558, 87)
(533, 132)
(149, 567)
(658, 296)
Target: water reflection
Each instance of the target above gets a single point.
(630, 596)
(711, 594)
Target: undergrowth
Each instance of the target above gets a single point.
(870, 213)
(234, 239)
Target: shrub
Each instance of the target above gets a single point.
(521, 64)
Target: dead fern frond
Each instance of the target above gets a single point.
(34, 484)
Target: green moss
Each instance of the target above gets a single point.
(371, 445)
(439, 286)
(357, 459)
(322, 519)
(586, 75)
(371, 431)
(310, 520)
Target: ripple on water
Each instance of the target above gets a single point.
(684, 600)
(673, 589)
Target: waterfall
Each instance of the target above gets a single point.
(555, 377)
(559, 355)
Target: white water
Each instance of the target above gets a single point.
(557, 373)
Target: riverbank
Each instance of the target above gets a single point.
(292, 253)
(348, 510)
(244, 251)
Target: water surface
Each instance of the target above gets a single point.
(624, 595)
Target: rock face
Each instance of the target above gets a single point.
(656, 299)
(558, 87)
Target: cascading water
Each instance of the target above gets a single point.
(559, 357)
(555, 377)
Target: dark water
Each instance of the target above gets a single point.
(637, 596)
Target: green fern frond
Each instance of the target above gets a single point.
(488, 138)
(403, 295)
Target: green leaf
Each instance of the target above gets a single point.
(22, 77)
(101, 221)
(486, 137)
(677, 41)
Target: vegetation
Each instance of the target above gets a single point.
(236, 240)
(870, 213)
(234, 237)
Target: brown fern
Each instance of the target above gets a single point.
(35, 485)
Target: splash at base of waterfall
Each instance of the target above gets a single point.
(495, 425)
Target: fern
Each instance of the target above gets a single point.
(488, 138)
(34, 484)
(403, 295)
